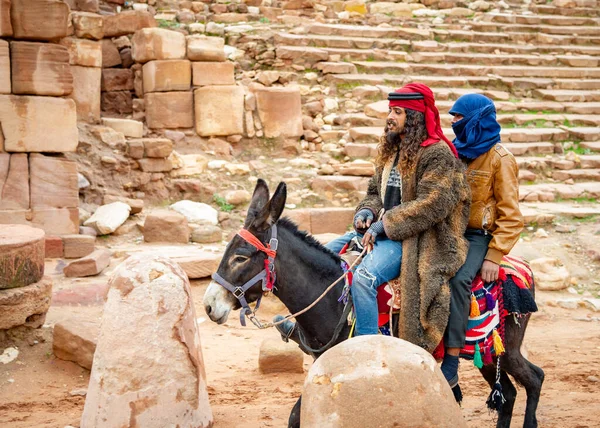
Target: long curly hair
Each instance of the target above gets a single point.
(414, 134)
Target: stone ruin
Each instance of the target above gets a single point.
(109, 107)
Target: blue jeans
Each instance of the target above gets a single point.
(379, 266)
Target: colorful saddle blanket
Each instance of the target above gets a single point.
(511, 294)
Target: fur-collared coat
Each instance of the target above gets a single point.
(430, 222)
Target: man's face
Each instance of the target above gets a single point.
(396, 120)
(457, 117)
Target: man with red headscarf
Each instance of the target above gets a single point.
(421, 186)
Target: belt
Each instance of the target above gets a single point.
(481, 232)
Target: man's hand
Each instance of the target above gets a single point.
(489, 271)
(375, 230)
(362, 224)
(368, 241)
(363, 220)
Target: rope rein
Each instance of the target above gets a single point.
(327, 290)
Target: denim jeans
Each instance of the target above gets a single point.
(379, 266)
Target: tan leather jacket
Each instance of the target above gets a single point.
(494, 182)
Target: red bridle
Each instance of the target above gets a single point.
(267, 275)
(271, 253)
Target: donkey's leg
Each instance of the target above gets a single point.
(294, 420)
(525, 373)
(508, 390)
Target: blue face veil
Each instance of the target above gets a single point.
(478, 131)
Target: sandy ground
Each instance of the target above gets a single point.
(39, 390)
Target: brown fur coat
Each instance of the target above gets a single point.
(430, 222)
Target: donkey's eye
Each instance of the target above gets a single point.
(239, 259)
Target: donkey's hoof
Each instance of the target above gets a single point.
(285, 328)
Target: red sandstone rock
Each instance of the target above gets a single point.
(5, 24)
(90, 265)
(117, 79)
(127, 22)
(148, 339)
(87, 53)
(53, 182)
(74, 339)
(54, 247)
(39, 19)
(14, 181)
(166, 226)
(5, 81)
(86, 92)
(26, 121)
(22, 251)
(40, 69)
(169, 110)
(26, 305)
(76, 246)
(110, 54)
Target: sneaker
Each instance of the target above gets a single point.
(285, 328)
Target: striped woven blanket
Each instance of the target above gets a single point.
(511, 294)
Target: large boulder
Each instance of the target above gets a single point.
(148, 365)
(377, 381)
(22, 250)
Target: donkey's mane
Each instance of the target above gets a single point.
(292, 227)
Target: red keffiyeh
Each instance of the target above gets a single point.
(427, 107)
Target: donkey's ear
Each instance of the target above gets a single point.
(260, 199)
(271, 212)
(277, 203)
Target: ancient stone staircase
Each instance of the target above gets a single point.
(537, 62)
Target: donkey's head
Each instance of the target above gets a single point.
(242, 261)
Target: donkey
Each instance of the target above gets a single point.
(304, 269)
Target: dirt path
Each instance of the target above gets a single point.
(36, 390)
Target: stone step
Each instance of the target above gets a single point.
(368, 134)
(445, 35)
(396, 80)
(592, 146)
(505, 59)
(366, 31)
(375, 67)
(541, 19)
(577, 174)
(548, 192)
(585, 133)
(580, 30)
(545, 212)
(343, 42)
(567, 95)
(575, 113)
(548, 9)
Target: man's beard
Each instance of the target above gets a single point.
(393, 138)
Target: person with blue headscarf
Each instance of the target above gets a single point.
(495, 221)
